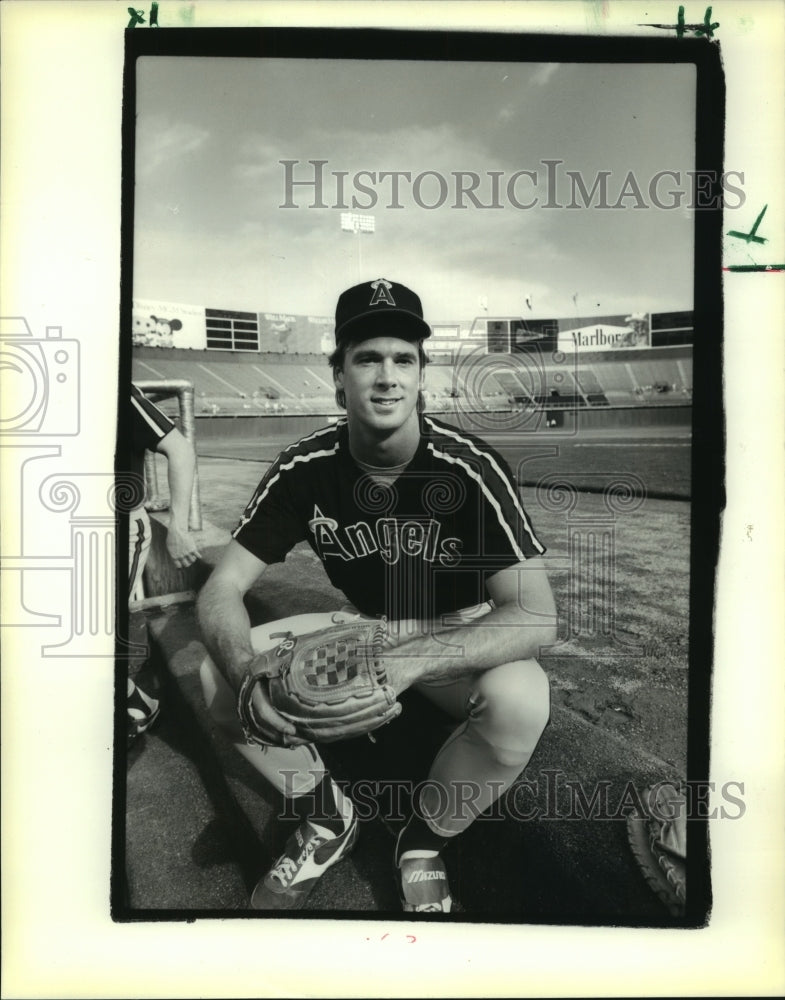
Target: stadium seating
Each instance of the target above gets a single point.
(264, 384)
(643, 381)
(590, 387)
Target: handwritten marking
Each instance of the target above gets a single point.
(750, 237)
(137, 16)
(766, 268)
(707, 28)
(410, 938)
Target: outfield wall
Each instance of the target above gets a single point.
(243, 426)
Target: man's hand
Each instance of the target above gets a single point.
(270, 724)
(329, 683)
(181, 546)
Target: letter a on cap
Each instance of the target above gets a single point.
(381, 292)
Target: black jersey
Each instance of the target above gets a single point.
(417, 548)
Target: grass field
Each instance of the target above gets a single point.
(657, 458)
(663, 468)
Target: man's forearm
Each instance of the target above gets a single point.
(504, 635)
(226, 628)
(180, 475)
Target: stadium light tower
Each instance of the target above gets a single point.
(358, 224)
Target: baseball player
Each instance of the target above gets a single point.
(419, 521)
(152, 429)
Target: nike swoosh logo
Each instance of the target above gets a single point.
(313, 866)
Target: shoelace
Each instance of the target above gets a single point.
(429, 908)
(287, 868)
(285, 871)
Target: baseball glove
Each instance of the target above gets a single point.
(659, 844)
(330, 684)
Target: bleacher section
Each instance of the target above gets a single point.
(666, 379)
(226, 382)
(590, 388)
(234, 383)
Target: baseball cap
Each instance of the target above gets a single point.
(361, 307)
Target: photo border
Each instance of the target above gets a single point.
(708, 421)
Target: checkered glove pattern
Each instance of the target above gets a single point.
(330, 684)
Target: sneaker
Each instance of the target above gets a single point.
(424, 885)
(142, 710)
(309, 852)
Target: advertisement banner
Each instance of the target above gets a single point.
(287, 333)
(605, 333)
(167, 324)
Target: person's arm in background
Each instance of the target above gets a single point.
(181, 463)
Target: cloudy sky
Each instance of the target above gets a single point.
(210, 229)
